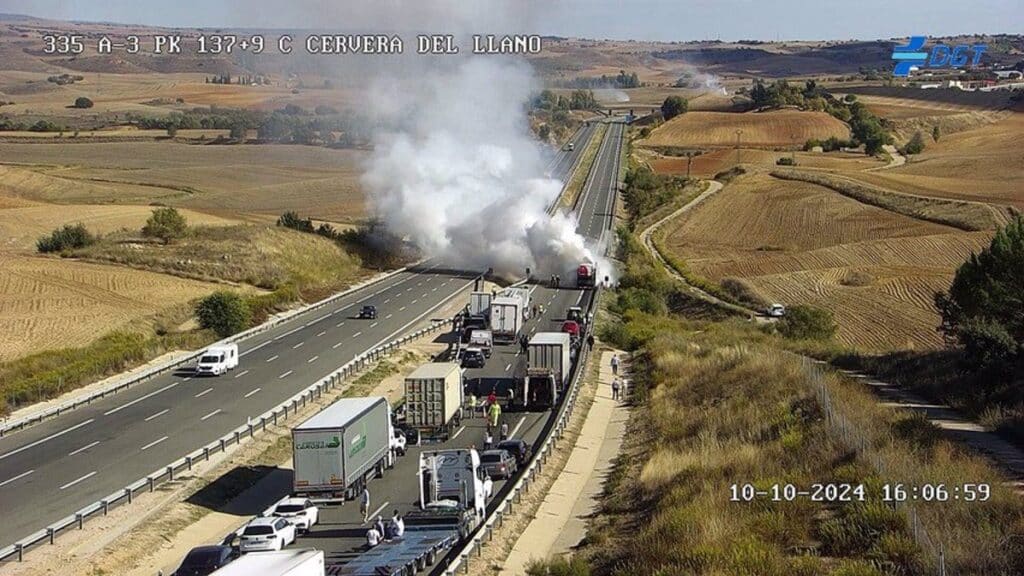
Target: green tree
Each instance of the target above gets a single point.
(224, 312)
(83, 102)
(804, 322)
(936, 132)
(916, 144)
(166, 224)
(544, 132)
(674, 106)
(66, 237)
(238, 130)
(983, 311)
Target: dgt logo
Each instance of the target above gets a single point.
(941, 56)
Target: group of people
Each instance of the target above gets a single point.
(619, 386)
(489, 435)
(556, 280)
(381, 531)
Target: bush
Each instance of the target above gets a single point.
(674, 106)
(83, 102)
(916, 144)
(804, 322)
(558, 566)
(166, 224)
(224, 312)
(65, 238)
(785, 161)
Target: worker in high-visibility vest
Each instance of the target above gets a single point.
(495, 414)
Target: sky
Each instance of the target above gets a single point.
(665, 20)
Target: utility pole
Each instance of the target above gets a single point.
(738, 133)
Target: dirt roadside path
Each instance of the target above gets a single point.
(561, 521)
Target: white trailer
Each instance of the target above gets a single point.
(433, 398)
(506, 318)
(549, 361)
(336, 451)
(217, 360)
(480, 303)
(305, 562)
(523, 294)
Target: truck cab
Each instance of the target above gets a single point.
(217, 360)
(586, 275)
(483, 340)
(454, 478)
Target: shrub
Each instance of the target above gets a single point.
(224, 312)
(674, 106)
(166, 224)
(785, 161)
(65, 238)
(558, 566)
(83, 102)
(916, 144)
(804, 322)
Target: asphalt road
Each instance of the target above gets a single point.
(341, 533)
(53, 469)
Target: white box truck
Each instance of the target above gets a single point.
(548, 364)
(217, 360)
(304, 562)
(506, 318)
(433, 398)
(523, 294)
(479, 303)
(336, 451)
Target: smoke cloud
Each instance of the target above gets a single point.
(458, 173)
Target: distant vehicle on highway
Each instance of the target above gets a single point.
(517, 448)
(499, 464)
(776, 311)
(483, 340)
(217, 360)
(586, 275)
(368, 313)
(572, 328)
(569, 147)
(299, 511)
(473, 358)
(267, 533)
(203, 560)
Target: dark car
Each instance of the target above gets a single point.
(368, 312)
(498, 464)
(518, 448)
(204, 560)
(473, 358)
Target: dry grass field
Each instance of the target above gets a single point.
(795, 242)
(708, 164)
(779, 128)
(48, 303)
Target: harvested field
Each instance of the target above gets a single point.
(711, 163)
(48, 303)
(261, 179)
(780, 128)
(799, 243)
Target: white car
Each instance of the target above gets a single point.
(268, 533)
(776, 311)
(398, 442)
(299, 511)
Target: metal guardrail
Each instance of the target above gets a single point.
(256, 424)
(129, 381)
(540, 457)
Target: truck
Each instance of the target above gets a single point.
(482, 339)
(336, 451)
(433, 399)
(479, 303)
(217, 360)
(548, 364)
(523, 294)
(302, 562)
(506, 318)
(453, 503)
(586, 275)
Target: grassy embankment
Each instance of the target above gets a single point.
(726, 402)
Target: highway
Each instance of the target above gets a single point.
(341, 533)
(57, 467)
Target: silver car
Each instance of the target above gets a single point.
(498, 464)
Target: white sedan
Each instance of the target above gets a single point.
(269, 533)
(299, 511)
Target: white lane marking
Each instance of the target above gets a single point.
(388, 316)
(285, 375)
(158, 414)
(18, 477)
(321, 333)
(335, 347)
(356, 335)
(187, 378)
(289, 333)
(324, 317)
(48, 438)
(207, 391)
(372, 325)
(253, 392)
(434, 289)
(388, 300)
(254, 348)
(137, 400)
(83, 448)
(402, 308)
(415, 301)
(73, 482)
(313, 359)
(512, 434)
(519, 352)
(339, 324)
(211, 414)
(508, 366)
(154, 443)
(298, 345)
(419, 283)
(378, 510)
(242, 373)
(578, 298)
(272, 358)
(457, 432)
(409, 289)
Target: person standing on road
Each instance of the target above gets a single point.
(504, 431)
(615, 389)
(495, 416)
(590, 341)
(615, 364)
(364, 504)
(488, 440)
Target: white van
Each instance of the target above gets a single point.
(483, 340)
(217, 360)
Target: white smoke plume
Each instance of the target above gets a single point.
(460, 175)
